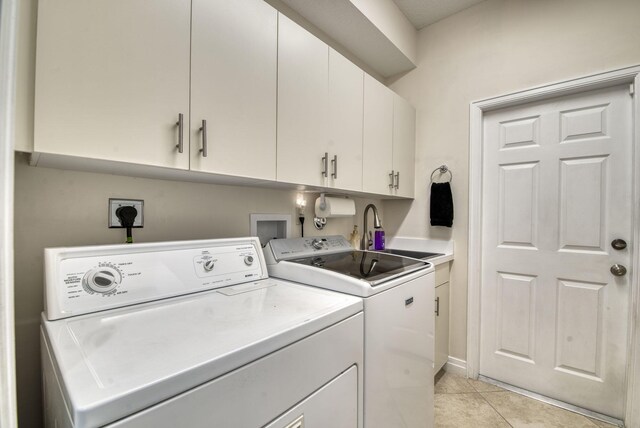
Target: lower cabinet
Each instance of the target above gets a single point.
(442, 317)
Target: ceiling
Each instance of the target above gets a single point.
(424, 12)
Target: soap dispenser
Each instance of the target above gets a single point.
(354, 238)
(378, 238)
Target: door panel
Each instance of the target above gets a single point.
(518, 199)
(556, 192)
(516, 319)
(582, 215)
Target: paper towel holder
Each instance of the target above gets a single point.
(320, 222)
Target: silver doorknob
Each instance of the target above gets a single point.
(619, 244)
(618, 270)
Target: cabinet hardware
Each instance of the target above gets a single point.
(437, 306)
(391, 178)
(180, 124)
(397, 180)
(325, 164)
(203, 129)
(334, 163)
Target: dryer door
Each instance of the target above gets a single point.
(335, 405)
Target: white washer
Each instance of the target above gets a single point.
(399, 295)
(194, 334)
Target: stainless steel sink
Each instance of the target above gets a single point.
(413, 254)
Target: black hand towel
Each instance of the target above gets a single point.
(441, 205)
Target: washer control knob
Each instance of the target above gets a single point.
(317, 244)
(248, 260)
(209, 265)
(102, 280)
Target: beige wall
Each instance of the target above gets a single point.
(494, 48)
(66, 208)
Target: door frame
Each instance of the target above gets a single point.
(477, 109)
(8, 58)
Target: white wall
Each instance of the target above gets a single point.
(385, 15)
(494, 48)
(8, 406)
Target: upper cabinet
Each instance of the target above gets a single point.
(345, 123)
(320, 107)
(233, 88)
(378, 137)
(303, 105)
(112, 81)
(404, 147)
(389, 142)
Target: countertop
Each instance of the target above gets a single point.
(425, 245)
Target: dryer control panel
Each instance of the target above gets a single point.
(89, 279)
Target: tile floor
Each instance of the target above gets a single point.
(461, 402)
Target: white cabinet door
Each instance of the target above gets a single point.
(233, 87)
(378, 137)
(404, 147)
(303, 100)
(345, 123)
(442, 327)
(112, 78)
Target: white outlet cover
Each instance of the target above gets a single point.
(114, 204)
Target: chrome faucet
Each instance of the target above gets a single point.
(366, 236)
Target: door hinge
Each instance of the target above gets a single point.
(631, 89)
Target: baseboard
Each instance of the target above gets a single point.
(456, 366)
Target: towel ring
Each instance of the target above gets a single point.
(442, 169)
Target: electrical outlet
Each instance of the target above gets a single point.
(114, 204)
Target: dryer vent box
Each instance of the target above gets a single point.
(270, 226)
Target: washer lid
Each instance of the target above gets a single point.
(115, 363)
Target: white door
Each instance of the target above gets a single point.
(303, 105)
(404, 147)
(345, 123)
(234, 50)
(556, 193)
(112, 79)
(377, 146)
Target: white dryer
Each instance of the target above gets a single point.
(399, 294)
(194, 334)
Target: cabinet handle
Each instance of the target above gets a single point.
(325, 163)
(180, 124)
(203, 129)
(437, 306)
(397, 179)
(391, 178)
(334, 163)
